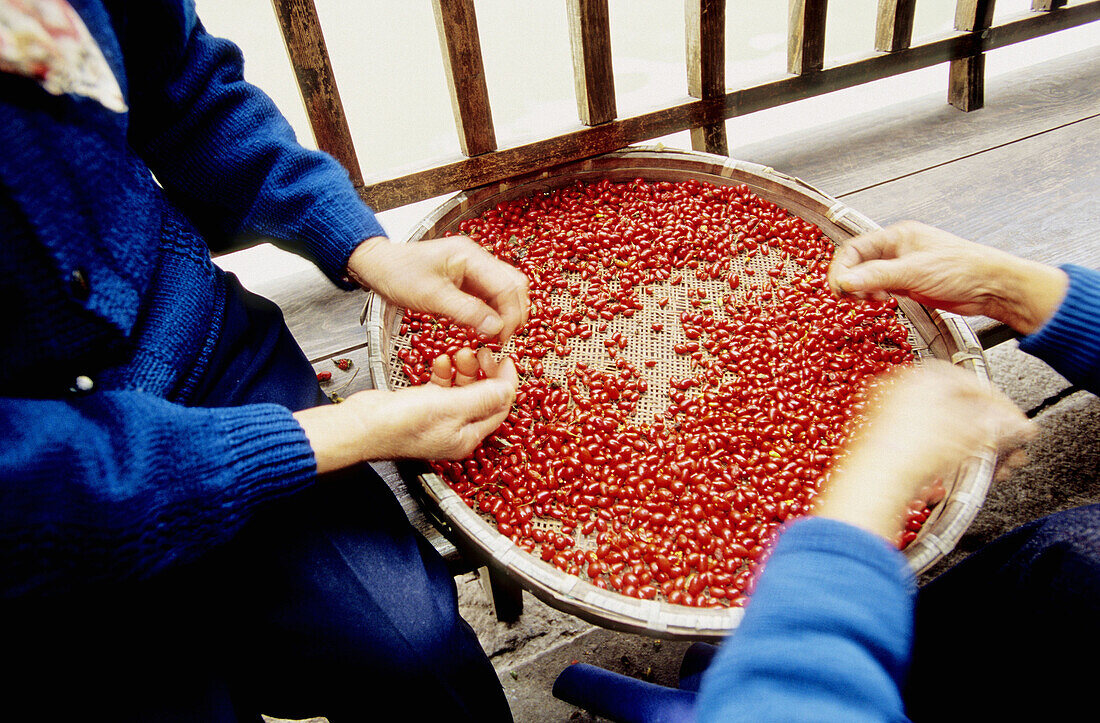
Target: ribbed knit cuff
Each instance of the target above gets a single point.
(338, 224)
(268, 452)
(1069, 341)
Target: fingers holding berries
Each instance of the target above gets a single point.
(460, 370)
(442, 371)
(939, 269)
(466, 367)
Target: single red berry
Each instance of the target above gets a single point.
(324, 377)
(343, 364)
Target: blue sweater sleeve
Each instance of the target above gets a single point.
(826, 635)
(182, 480)
(222, 150)
(1070, 340)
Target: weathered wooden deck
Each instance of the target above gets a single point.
(1022, 174)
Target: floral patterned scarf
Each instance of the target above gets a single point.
(46, 40)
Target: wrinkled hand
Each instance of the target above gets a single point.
(452, 276)
(939, 269)
(433, 421)
(920, 424)
(438, 421)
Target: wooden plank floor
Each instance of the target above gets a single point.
(1022, 174)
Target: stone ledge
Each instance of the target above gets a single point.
(1026, 380)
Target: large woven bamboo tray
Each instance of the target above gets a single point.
(932, 334)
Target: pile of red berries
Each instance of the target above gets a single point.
(687, 379)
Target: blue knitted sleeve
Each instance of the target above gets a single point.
(137, 482)
(222, 150)
(826, 634)
(1070, 341)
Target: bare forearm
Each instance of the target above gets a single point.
(939, 269)
(334, 433)
(1031, 293)
(424, 422)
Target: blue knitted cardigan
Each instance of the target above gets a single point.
(107, 222)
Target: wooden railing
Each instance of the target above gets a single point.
(704, 111)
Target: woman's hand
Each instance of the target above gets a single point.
(433, 421)
(920, 424)
(463, 368)
(452, 276)
(939, 269)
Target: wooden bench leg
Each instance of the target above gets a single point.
(504, 593)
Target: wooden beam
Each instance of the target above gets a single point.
(706, 67)
(305, 44)
(457, 25)
(1026, 26)
(593, 79)
(894, 25)
(806, 36)
(449, 175)
(966, 78)
(1047, 5)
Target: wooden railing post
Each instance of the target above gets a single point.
(894, 25)
(966, 81)
(305, 44)
(590, 40)
(465, 69)
(706, 67)
(806, 36)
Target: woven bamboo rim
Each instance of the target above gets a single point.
(936, 334)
